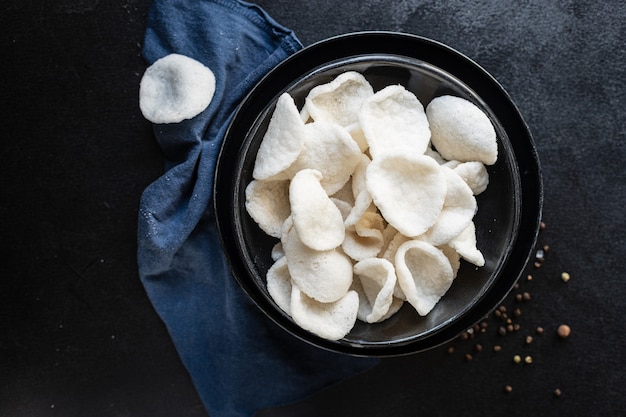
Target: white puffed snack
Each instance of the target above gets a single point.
(461, 131)
(378, 279)
(457, 213)
(340, 100)
(323, 275)
(279, 284)
(409, 190)
(317, 219)
(330, 321)
(424, 274)
(474, 174)
(465, 245)
(283, 141)
(267, 202)
(329, 149)
(393, 119)
(175, 88)
(366, 240)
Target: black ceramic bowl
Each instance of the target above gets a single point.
(509, 211)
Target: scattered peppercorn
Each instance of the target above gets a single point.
(510, 328)
(451, 349)
(565, 277)
(563, 331)
(517, 312)
(539, 330)
(529, 340)
(526, 296)
(508, 389)
(478, 347)
(497, 348)
(468, 357)
(518, 297)
(528, 359)
(517, 358)
(502, 331)
(516, 327)
(557, 392)
(529, 277)
(546, 248)
(542, 226)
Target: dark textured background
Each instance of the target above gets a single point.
(78, 336)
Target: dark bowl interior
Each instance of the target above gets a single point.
(498, 220)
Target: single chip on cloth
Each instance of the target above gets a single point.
(461, 131)
(409, 190)
(424, 274)
(175, 88)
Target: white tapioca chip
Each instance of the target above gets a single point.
(424, 274)
(366, 240)
(329, 149)
(465, 245)
(393, 119)
(362, 205)
(175, 88)
(283, 141)
(267, 202)
(330, 321)
(453, 256)
(474, 174)
(358, 176)
(323, 275)
(461, 131)
(378, 279)
(459, 208)
(340, 100)
(409, 190)
(277, 251)
(316, 218)
(356, 132)
(279, 284)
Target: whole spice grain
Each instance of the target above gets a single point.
(497, 348)
(508, 389)
(518, 297)
(517, 358)
(528, 359)
(565, 276)
(526, 296)
(478, 347)
(528, 340)
(563, 331)
(517, 312)
(539, 330)
(502, 331)
(557, 392)
(468, 357)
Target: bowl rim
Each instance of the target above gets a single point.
(488, 90)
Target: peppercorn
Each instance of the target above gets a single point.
(517, 358)
(508, 389)
(565, 276)
(478, 347)
(468, 357)
(502, 331)
(518, 297)
(539, 330)
(526, 296)
(451, 349)
(563, 331)
(557, 392)
(528, 359)
(529, 340)
(517, 312)
(497, 348)
(542, 226)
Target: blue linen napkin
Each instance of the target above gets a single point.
(239, 360)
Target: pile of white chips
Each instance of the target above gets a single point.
(373, 199)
